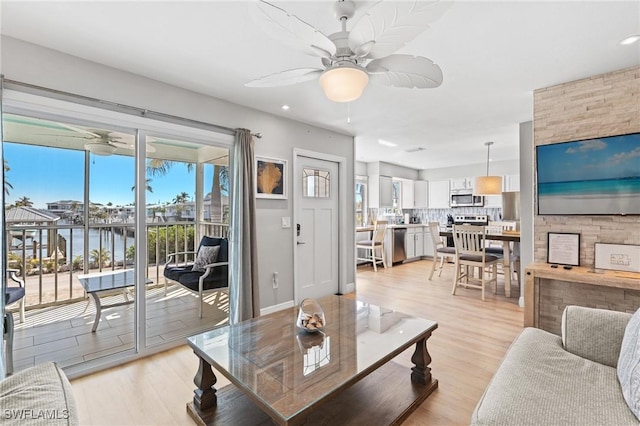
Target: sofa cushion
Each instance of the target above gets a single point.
(39, 395)
(629, 364)
(539, 383)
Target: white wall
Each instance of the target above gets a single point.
(28, 63)
(496, 168)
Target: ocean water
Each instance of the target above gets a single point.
(591, 187)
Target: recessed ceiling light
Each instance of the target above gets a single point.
(285, 107)
(630, 40)
(386, 143)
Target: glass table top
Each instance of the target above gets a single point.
(289, 370)
(109, 280)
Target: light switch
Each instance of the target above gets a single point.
(286, 222)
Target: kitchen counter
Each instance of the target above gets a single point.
(408, 225)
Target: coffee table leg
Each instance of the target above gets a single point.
(421, 373)
(96, 299)
(205, 395)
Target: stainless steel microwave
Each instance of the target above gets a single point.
(465, 198)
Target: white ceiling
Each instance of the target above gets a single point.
(493, 56)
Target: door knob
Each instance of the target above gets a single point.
(300, 242)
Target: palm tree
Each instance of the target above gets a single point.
(158, 167)
(181, 198)
(100, 257)
(23, 202)
(147, 183)
(7, 185)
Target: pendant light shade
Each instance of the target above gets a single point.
(344, 83)
(487, 185)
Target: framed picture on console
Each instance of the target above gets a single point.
(617, 257)
(563, 248)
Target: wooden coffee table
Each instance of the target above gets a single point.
(345, 375)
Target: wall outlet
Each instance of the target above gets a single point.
(286, 222)
(275, 280)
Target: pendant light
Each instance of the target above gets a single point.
(487, 185)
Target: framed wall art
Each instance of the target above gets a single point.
(271, 178)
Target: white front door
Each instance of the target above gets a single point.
(316, 230)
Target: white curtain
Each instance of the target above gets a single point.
(243, 263)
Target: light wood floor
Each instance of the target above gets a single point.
(469, 344)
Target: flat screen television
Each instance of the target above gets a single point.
(589, 177)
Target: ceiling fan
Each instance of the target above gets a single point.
(350, 59)
(103, 142)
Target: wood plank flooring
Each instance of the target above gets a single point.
(467, 348)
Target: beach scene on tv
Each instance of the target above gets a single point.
(595, 176)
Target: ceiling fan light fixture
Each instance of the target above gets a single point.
(100, 148)
(487, 185)
(344, 83)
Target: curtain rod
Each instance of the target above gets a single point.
(113, 106)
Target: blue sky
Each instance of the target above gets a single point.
(604, 158)
(52, 174)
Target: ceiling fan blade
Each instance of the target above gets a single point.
(405, 71)
(392, 24)
(286, 78)
(291, 30)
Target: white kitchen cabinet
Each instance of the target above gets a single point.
(419, 243)
(410, 243)
(461, 183)
(380, 192)
(421, 194)
(511, 183)
(407, 199)
(439, 194)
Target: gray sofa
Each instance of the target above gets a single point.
(546, 380)
(38, 396)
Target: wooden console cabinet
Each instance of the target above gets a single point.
(537, 273)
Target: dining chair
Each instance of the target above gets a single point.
(498, 250)
(440, 250)
(373, 245)
(469, 241)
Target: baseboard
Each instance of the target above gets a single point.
(349, 288)
(276, 308)
(521, 302)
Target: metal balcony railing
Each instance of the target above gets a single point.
(49, 257)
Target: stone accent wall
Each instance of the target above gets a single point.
(556, 295)
(599, 106)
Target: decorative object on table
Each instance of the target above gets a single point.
(310, 316)
(487, 185)
(563, 248)
(350, 58)
(271, 177)
(618, 257)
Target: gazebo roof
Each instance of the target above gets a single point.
(28, 215)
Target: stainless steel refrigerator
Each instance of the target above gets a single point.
(511, 206)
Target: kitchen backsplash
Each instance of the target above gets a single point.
(439, 215)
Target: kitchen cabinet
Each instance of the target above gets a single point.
(511, 183)
(380, 192)
(461, 183)
(414, 242)
(493, 201)
(421, 194)
(438, 194)
(407, 200)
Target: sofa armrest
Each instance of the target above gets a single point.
(594, 334)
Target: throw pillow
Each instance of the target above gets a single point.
(629, 364)
(206, 255)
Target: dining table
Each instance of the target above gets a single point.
(506, 238)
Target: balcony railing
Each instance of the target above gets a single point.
(50, 256)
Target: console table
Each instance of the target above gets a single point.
(536, 272)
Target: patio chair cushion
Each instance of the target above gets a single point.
(13, 294)
(187, 276)
(206, 256)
